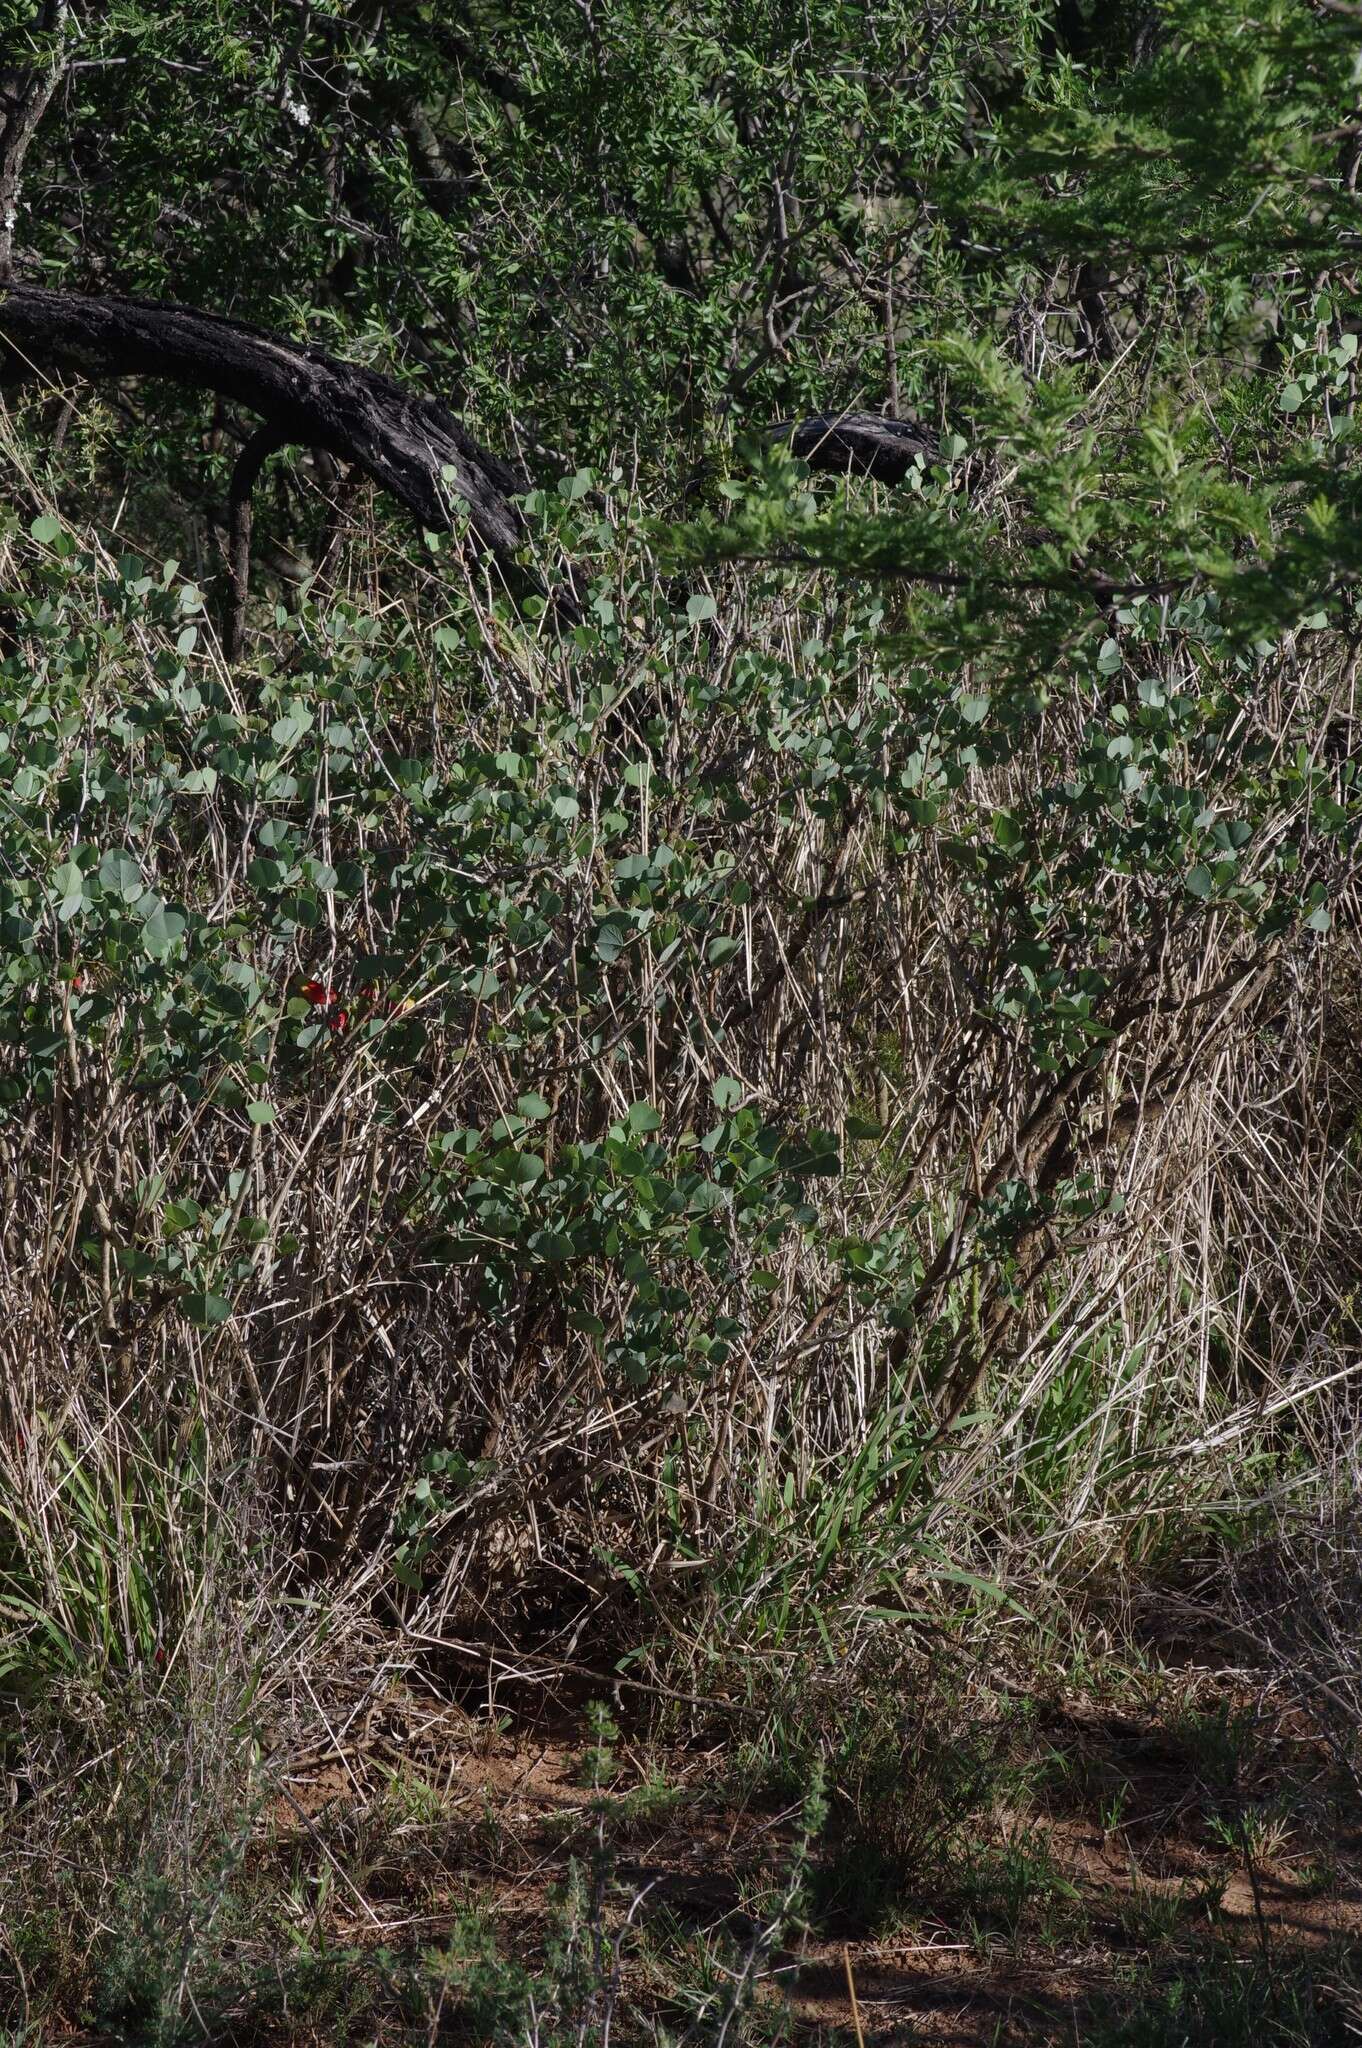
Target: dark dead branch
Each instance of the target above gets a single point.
(412, 446)
(861, 442)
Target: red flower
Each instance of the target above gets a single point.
(322, 997)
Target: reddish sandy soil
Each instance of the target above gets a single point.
(1138, 1882)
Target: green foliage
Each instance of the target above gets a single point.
(699, 1128)
(247, 907)
(1295, 2004)
(115, 1589)
(585, 226)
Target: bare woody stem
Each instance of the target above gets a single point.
(25, 91)
(411, 446)
(261, 445)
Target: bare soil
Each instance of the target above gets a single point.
(1142, 1865)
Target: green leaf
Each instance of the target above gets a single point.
(69, 883)
(816, 1155)
(121, 876)
(162, 932)
(296, 722)
(524, 1168)
(555, 1246)
(206, 1310)
(701, 607)
(261, 1112)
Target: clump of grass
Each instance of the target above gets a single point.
(1295, 1594)
(915, 1749)
(1290, 2002)
(125, 1866)
(1153, 1915)
(1013, 1887)
(152, 1652)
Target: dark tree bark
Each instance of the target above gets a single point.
(249, 464)
(861, 442)
(412, 446)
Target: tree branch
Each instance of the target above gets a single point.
(861, 442)
(413, 447)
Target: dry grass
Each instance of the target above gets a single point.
(188, 1507)
(1114, 1386)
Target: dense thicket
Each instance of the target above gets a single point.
(679, 994)
(806, 1066)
